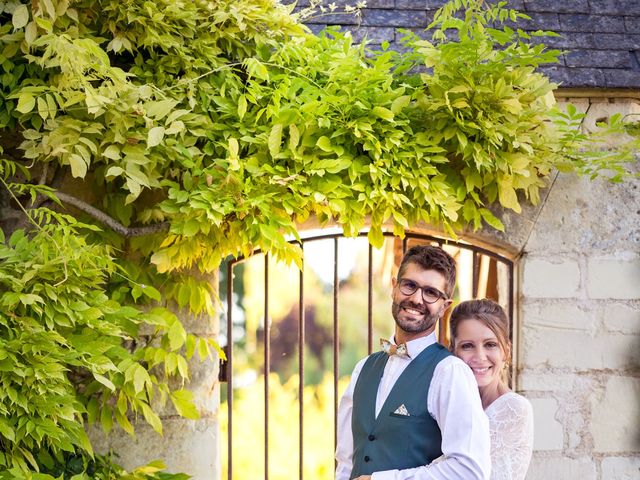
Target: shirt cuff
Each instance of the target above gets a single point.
(385, 475)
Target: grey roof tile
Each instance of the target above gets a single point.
(590, 23)
(418, 4)
(564, 6)
(598, 59)
(616, 7)
(621, 79)
(632, 24)
(576, 77)
(600, 38)
(398, 18)
(374, 35)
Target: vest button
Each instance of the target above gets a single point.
(372, 438)
(367, 458)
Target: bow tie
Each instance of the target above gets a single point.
(391, 349)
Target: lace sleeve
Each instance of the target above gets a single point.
(511, 424)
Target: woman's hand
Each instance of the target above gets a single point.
(363, 477)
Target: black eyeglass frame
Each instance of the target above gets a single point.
(408, 291)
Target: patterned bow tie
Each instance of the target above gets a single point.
(391, 349)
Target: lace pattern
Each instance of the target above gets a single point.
(511, 426)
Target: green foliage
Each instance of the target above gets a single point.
(607, 152)
(66, 351)
(235, 124)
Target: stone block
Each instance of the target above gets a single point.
(559, 467)
(545, 279)
(187, 446)
(620, 317)
(579, 351)
(613, 278)
(614, 416)
(603, 110)
(559, 314)
(621, 468)
(547, 430)
(529, 381)
(588, 217)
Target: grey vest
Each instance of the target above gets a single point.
(392, 440)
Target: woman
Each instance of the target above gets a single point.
(480, 337)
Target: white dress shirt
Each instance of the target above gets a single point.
(453, 401)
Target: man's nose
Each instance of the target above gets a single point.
(416, 296)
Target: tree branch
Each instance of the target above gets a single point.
(113, 224)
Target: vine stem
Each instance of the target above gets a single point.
(110, 222)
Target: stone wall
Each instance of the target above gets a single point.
(579, 316)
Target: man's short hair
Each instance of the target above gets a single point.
(430, 257)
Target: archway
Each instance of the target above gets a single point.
(292, 338)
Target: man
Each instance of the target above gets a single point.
(414, 402)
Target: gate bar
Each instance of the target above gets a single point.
(370, 302)
(301, 334)
(229, 367)
(336, 342)
(267, 365)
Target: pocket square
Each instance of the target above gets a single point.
(402, 410)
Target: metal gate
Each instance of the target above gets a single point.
(481, 273)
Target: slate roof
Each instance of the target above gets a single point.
(601, 38)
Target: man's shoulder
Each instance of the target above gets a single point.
(450, 364)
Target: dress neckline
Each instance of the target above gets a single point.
(497, 400)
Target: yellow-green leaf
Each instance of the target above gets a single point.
(242, 106)
(26, 102)
(324, 144)
(294, 136)
(488, 217)
(399, 103)
(275, 139)
(507, 194)
(30, 33)
(78, 165)
(20, 16)
(112, 152)
(104, 381)
(155, 136)
(383, 113)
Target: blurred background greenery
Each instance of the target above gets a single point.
(248, 352)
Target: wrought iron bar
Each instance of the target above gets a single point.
(370, 302)
(267, 365)
(301, 334)
(336, 342)
(229, 367)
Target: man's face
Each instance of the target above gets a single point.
(415, 317)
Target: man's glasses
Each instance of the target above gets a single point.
(429, 294)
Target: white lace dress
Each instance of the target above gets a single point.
(511, 426)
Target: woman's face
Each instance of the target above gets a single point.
(479, 348)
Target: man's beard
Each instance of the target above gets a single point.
(427, 321)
